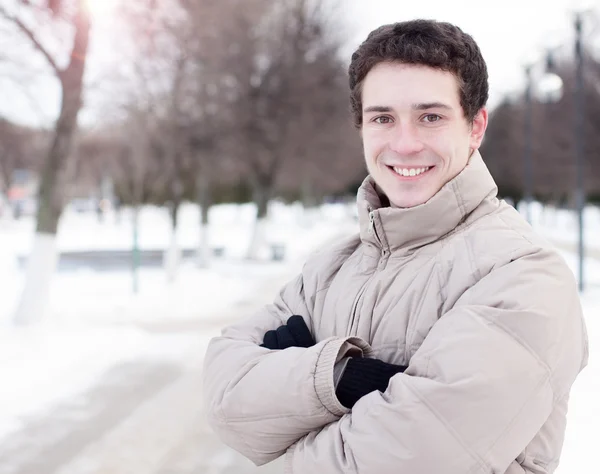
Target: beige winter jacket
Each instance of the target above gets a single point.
(484, 312)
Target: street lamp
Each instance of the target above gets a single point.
(528, 161)
(550, 88)
(579, 135)
(547, 88)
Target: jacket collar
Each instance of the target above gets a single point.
(410, 228)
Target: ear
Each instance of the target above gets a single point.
(478, 129)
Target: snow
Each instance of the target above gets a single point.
(42, 366)
(583, 419)
(94, 317)
(87, 295)
(95, 321)
(561, 225)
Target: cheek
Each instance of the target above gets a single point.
(372, 147)
(449, 144)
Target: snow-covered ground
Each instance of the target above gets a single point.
(583, 425)
(44, 366)
(561, 225)
(94, 318)
(85, 295)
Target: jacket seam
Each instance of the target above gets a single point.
(544, 381)
(336, 272)
(520, 341)
(442, 285)
(463, 226)
(413, 254)
(354, 316)
(444, 240)
(520, 234)
(480, 462)
(408, 340)
(459, 199)
(542, 460)
(232, 426)
(251, 419)
(243, 438)
(474, 267)
(322, 289)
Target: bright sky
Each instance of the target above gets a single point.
(509, 33)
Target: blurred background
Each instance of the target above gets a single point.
(167, 165)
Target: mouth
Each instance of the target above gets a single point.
(410, 173)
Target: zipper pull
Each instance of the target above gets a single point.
(372, 228)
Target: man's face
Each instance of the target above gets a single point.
(415, 135)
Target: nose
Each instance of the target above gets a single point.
(405, 139)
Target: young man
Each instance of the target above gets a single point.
(445, 337)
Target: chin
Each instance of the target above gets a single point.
(406, 203)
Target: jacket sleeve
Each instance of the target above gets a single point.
(478, 389)
(261, 401)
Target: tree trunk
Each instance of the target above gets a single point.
(40, 267)
(135, 251)
(172, 256)
(309, 200)
(42, 261)
(258, 243)
(204, 204)
(6, 208)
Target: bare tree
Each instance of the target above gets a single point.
(553, 143)
(209, 39)
(92, 166)
(137, 169)
(43, 24)
(275, 67)
(19, 150)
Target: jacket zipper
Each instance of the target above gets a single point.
(372, 229)
(355, 307)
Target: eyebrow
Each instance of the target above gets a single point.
(420, 106)
(377, 108)
(431, 105)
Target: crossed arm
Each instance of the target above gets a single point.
(475, 393)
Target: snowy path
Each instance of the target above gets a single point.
(140, 418)
(46, 443)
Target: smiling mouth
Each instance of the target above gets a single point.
(412, 172)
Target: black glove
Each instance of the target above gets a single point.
(293, 334)
(362, 376)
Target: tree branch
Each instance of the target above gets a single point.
(29, 33)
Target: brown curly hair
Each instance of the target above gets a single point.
(425, 42)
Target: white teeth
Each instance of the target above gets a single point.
(410, 172)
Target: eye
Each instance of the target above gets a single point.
(431, 118)
(382, 119)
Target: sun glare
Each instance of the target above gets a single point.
(101, 8)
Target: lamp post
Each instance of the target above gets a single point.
(579, 135)
(528, 159)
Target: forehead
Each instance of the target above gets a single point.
(402, 85)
